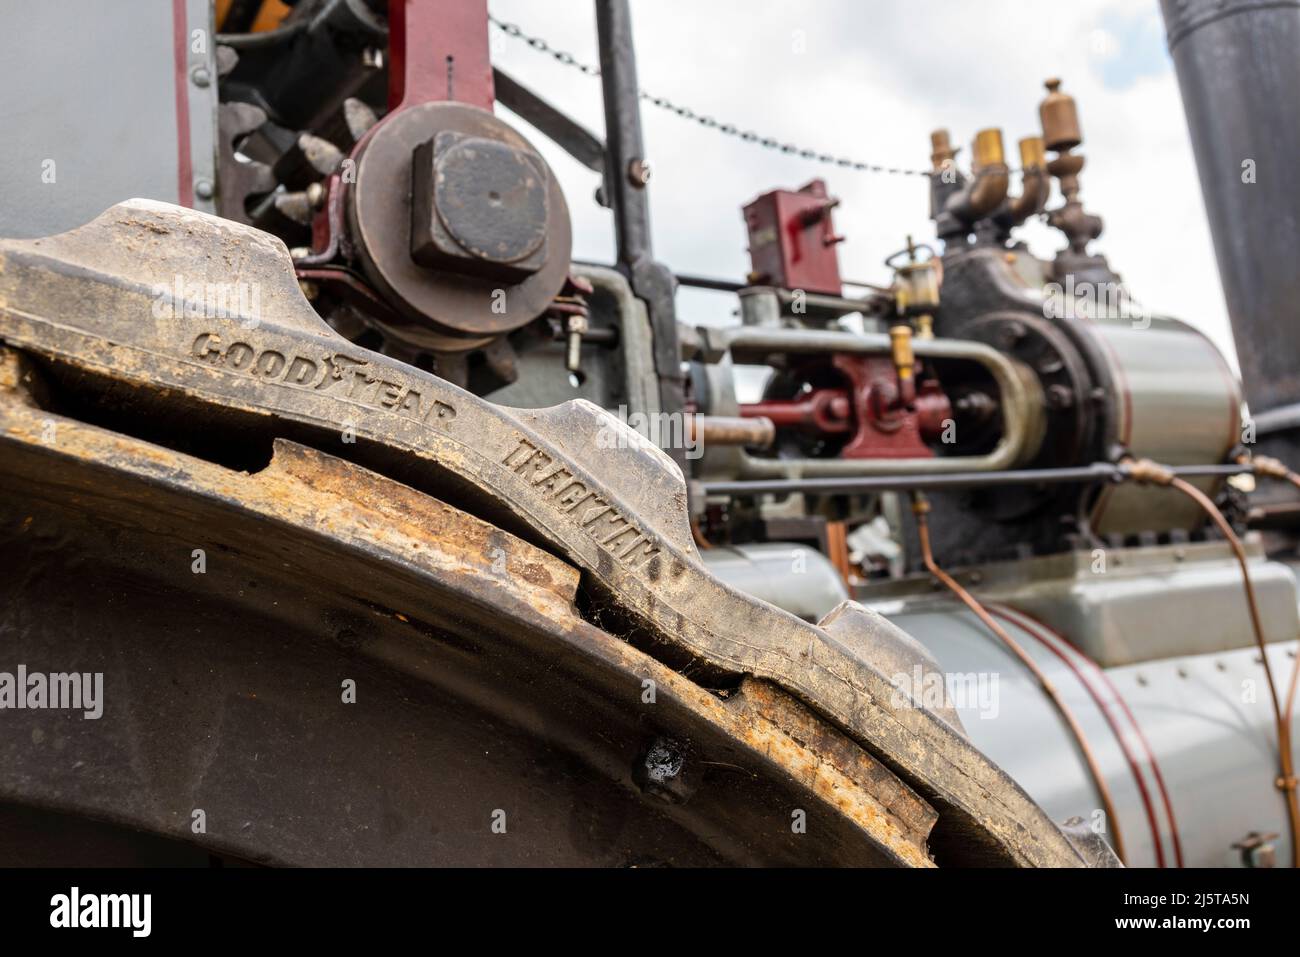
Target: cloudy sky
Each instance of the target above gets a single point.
(870, 80)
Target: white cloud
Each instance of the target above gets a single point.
(1102, 43)
(870, 81)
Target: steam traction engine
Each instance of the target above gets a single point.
(983, 571)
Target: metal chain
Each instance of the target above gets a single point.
(708, 122)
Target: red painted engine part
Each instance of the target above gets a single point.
(451, 61)
(870, 411)
(438, 50)
(792, 241)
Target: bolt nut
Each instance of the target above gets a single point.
(638, 173)
(200, 76)
(660, 772)
(480, 207)
(1059, 396)
(204, 189)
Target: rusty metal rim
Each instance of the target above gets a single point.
(758, 720)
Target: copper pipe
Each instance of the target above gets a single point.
(920, 508)
(1147, 471)
(1272, 468)
(837, 550)
(1288, 709)
(702, 543)
(755, 432)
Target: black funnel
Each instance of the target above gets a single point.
(1238, 64)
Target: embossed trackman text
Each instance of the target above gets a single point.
(603, 522)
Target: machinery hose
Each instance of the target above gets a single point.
(921, 508)
(1271, 468)
(1146, 471)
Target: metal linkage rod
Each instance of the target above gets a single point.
(1096, 472)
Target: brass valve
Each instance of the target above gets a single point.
(1061, 135)
(900, 350)
(942, 152)
(1035, 184)
(916, 288)
(957, 202)
(1033, 153)
(900, 347)
(1060, 119)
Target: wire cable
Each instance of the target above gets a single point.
(1272, 468)
(921, 509)
(1146, 471)
(709, 122)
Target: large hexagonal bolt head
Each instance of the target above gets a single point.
(479, 207)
